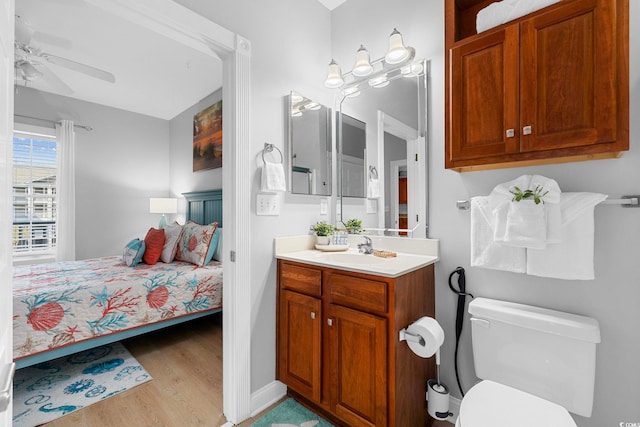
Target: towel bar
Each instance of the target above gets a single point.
(626, 202)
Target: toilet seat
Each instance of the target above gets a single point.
(490, 404)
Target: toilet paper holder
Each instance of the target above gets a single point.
(404, 335)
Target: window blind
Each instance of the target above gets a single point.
(34, 193)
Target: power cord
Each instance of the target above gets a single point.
(462, 294)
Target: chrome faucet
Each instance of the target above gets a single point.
(366, 247)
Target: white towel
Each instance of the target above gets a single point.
(518, 223)
(374, 188)
(572, 259)
(498, 13)
(485, 252)
(272, 177)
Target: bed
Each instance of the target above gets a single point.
(61, 308)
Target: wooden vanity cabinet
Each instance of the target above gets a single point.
(338, 348)
(549, 87)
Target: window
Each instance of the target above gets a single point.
(34, 192)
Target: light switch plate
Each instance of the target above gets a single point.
(372, 206)
(324, 207)
(268, 204)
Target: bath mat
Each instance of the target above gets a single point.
(291, 414)
(49, 390)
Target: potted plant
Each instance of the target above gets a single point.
(323, 230)
(354, 226)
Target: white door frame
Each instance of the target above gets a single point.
(415, 169)
(7, 22)
(185, 26)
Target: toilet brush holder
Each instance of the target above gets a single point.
(437, 400)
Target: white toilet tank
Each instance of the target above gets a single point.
(544, 352)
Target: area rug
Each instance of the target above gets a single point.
(49, 390)
(291, 414)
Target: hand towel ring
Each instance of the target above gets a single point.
(268, 148)
(373, 172)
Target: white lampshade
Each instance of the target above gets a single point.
(163, 205)
(397, 51)
(334, 76)
(363, 65)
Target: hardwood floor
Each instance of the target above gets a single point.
(185, 362)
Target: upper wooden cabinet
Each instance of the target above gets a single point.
(550, 87)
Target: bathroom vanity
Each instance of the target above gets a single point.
(338, 322)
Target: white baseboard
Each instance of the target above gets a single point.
(454, 408)
(267, 396)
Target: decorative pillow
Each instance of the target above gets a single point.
(133, 252)
(217, 255)
(171, 235)
(213, 246)
(154, 242)
(194, 242)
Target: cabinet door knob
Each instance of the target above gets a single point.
(511, 133)
(330, 322)
(313, 314)
(526, 130)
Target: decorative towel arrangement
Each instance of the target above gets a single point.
(498, 13)
(529, 226)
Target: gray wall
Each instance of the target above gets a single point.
(290, 42)
(612, 297)
(119, 165)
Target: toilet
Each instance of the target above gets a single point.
(536, 365)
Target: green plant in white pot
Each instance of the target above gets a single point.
(354, 226)
(323, 231)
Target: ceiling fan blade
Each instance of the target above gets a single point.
(24, 32)
(54, 81)
(79, 67)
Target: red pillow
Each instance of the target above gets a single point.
(154, 242)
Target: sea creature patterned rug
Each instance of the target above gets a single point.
(291, 414)
(49, 390)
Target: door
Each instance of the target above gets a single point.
(484, 97)
(568, 74)
(358, 355)
(7, 8)
(299, 340)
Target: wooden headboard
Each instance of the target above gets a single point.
(204, 207)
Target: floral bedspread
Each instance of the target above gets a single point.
(61, 303)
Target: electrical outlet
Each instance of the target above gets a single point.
(267, 204)
(372, 206)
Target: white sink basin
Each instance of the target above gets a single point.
(353, 259)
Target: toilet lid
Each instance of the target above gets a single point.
(489, 404)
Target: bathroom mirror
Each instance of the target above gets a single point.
(309, 146)
(393, 116)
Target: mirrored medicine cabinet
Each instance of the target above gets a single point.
(309, 153)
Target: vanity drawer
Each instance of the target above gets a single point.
(302, 279)
(356, 292)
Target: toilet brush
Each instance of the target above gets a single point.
(437, 395)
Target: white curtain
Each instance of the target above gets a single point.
(66, 221)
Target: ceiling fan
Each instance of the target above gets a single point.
(30, 61)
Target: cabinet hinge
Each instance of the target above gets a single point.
(416, 157)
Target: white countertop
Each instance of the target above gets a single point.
(412, 254)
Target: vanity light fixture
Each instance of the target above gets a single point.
(379, 81)
(397, 53)
(352, 91)
(363, 65)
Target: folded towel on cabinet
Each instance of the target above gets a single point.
(499, 12)
(572, 258)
